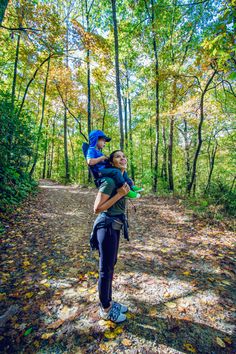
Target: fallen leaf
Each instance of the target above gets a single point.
(227, 340)
(109, 335)
(126, 342)
(118, 330)
(189, 347)
(170, 305)
(153, 312)
(220, 342)
(26, 263)
(28, 331)
(47, 335)
(55, 324)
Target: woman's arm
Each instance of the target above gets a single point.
(102, 201)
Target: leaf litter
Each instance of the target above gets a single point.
(176, 275)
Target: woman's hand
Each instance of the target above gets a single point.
(123, 190)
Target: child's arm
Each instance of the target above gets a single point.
(96, 160)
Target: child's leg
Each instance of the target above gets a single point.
(114, 173)
(127, 179)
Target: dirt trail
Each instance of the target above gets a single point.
(177, 275)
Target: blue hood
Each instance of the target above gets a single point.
(94, 135)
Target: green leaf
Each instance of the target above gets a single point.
(28, 331)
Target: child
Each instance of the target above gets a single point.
(100, 164)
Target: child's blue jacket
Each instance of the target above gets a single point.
(93, 152)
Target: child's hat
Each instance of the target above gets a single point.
(99, 134)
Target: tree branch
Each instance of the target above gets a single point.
(66, 107)
(20, 29)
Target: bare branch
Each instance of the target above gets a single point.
(20, 29)
(72, 114)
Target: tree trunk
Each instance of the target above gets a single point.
(45, 156)
(171, 141)
(15, 71)
(131, 142)
(187, 154)
(104, 108)
(212, 164)
(194, 168)
(164, 161)
(41, 121)
(73, 155)
(67, 175)
(151, 149)
(3, 6)
(155, 172)
(117, 74)
(126, 122)
(52, 149)
(58, 157)
(88, 72)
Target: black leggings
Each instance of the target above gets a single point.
(108, 242)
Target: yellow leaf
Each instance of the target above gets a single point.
(44, 265)
(220, 342)
(126, 342)
(130, 315)
(29, 295)
(153, 312)
(189, 347)
(47, 285)
(226, 282)
(109, 335)
(47, 335)
(103, 346)
(92, 291)
(3, 296)
(170, 305)
(81, 289)
(186, 273)
(227, 340)
(118, 330)
(26, 263)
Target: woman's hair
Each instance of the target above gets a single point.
(111, 157)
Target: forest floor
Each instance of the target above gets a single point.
(176, 275)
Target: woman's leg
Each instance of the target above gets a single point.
(108, 242)
(115, 260)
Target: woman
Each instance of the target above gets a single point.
(110, 203)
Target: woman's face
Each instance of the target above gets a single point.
(119, 160)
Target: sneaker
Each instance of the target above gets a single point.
(122, 308)
(137, 189)
(133, 195)
(113, 314)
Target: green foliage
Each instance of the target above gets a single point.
(223, 195)
(15, 150)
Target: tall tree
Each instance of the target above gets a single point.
(117, 68)
(150, 8)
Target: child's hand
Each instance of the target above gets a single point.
(123, 190)
(104, 158)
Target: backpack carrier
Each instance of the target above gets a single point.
(96, 175)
